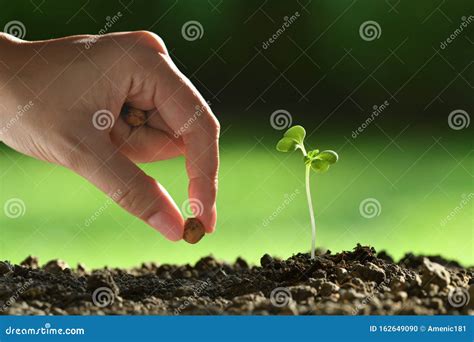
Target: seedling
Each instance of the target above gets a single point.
(292, 140)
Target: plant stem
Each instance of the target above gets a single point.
(311, 213)
(310, 205)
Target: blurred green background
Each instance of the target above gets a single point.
(328, 78)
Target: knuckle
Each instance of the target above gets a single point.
(214, 127)
(152, 40)
(131, 200)
(148, 50)
(128, 199)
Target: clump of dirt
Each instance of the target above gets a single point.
(348, 283)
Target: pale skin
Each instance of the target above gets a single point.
(67, 83)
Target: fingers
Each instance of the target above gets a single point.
(157, 83)
(190, 117)
(145, 144)
(129, 186)
(202, 160)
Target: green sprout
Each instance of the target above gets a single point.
(320, 162)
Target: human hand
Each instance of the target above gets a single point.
(77, 86)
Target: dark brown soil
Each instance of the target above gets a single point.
(357, 282)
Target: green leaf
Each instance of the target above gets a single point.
(312, 154)
(297, 133)
(319, 165)
(286, 145)
(330, 156)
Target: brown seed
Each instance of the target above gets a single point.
(133, 116)
(193, 230)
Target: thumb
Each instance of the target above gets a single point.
(130, 187)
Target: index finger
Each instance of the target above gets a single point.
(190, 117)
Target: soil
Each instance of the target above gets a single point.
(348, 283)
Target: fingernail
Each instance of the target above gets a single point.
(167, 225)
